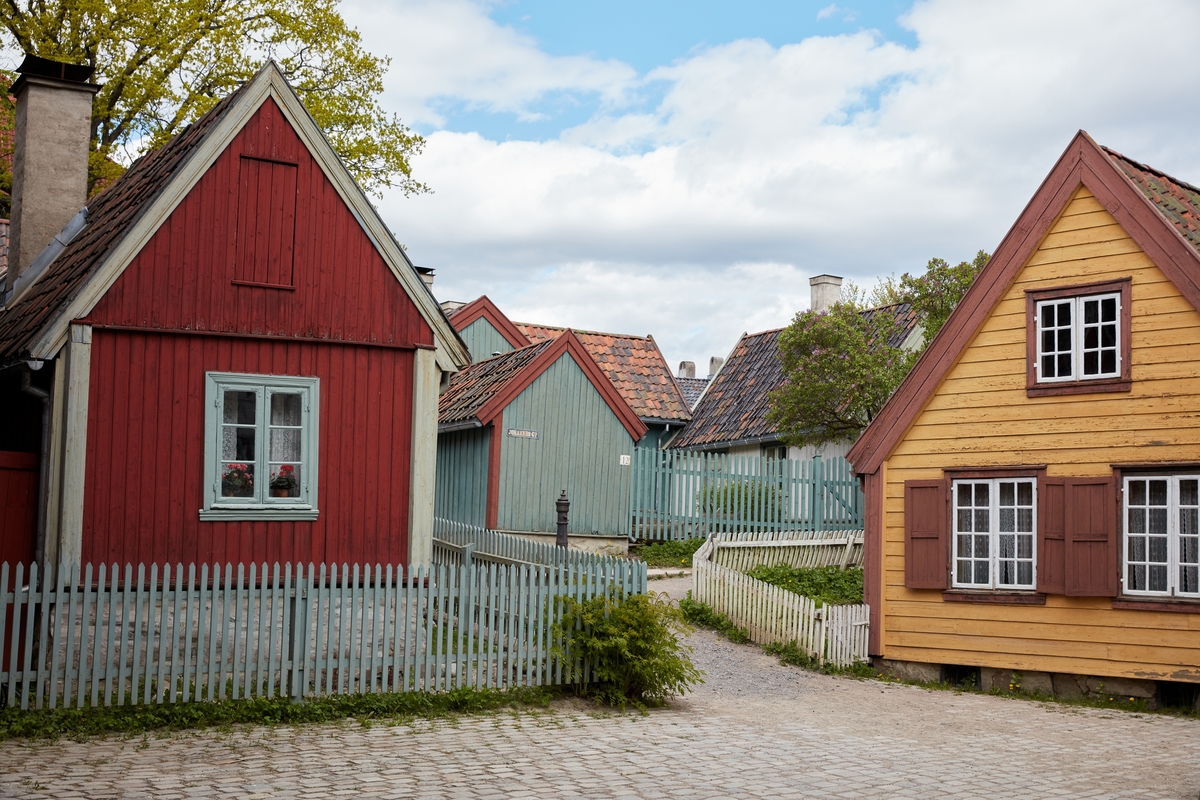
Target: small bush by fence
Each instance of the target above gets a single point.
(835, 634)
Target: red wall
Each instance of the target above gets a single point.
(145, 454)
(183, 278)
(348, 321)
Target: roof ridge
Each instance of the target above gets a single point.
(581, 330)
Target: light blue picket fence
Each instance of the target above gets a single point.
(105, 635)
(680, 494)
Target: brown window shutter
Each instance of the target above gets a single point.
(266, 227)
(1052, 535)
(1091, 537)
(926, 535)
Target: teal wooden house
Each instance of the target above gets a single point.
(516, 429)
(634, 364)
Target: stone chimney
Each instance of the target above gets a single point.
(51, 144)
(687, 369)
(824, 291)
(426, 274)
(714, 365)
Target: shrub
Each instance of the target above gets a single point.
(824, 584)
(668, 554)
(630, 644)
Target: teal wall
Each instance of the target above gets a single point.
(461, 486)
(482, 340)
(579, 447)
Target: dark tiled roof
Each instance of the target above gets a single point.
(111, 215)
(472, 387)
(1178, 202)
(735, 407)
(692, 388)
(636, 367)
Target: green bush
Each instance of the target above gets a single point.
(631, 645)
(744, 500)
(668, 554)
(824, 584)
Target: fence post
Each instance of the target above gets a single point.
(468, 554)
(818, 499)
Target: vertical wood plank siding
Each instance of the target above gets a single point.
(579, 447)
(182, 279)
(145, 456)
(482, 339)
(462, 476)
(981, 416)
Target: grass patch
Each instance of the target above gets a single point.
(667, 554)
(702, 616)
(826, 585)
(82, 723)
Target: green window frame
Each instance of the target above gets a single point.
(260, 447)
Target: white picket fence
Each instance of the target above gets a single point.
(104, 636)
(746, 550)
(831, 634)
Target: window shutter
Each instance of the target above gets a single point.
(1091, 537)
(1052, 535)
(926, 536)
(266, 228)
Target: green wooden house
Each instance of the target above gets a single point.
(516, 429)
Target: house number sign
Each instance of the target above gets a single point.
(517, 433)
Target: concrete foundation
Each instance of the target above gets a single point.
(909, 670)
(604, 545)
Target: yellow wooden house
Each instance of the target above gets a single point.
(1033, 487)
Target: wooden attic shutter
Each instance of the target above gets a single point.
(1091, 537)
(926, 535)
(1052, 536)
(266, 229)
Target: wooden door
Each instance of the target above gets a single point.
(18, 507)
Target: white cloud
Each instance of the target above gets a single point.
(701, 218)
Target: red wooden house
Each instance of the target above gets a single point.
(235, 360)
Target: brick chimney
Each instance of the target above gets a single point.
(823, 291)
(51, 144)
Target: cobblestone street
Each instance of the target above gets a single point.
(756, 729)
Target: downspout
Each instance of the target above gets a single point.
(43, 475)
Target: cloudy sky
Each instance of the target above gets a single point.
(682, 168)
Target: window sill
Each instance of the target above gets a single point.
(998, 598)
(1079, 387)
(1149, 604)
(259, 514)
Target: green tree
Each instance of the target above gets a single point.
(839, 366)
(163, 64)
(938, 291)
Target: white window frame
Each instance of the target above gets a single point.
(1173, 539)
(993, 583)
(1077, 337)
(261, 506)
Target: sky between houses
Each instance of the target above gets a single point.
(682, 168)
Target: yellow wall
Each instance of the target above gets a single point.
(980, 416)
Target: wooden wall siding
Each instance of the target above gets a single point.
(462, 463)
(145, 452)
(579, 447)
(183, 278)
(482, 339)
(981, 416)
(266, 231)
(18, 506)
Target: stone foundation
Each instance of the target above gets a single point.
(1059, 685)
(604, 545)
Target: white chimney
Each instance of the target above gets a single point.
(687, 369)
(824, 291)
(714, 365)
(51, 144)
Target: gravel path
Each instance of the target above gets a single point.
(754, 729)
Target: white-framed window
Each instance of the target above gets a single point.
(994, 533)
(260, 451)
(1162, 536)
(1079, 338)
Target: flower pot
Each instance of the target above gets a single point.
(278, 492)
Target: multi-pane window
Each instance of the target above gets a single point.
(262, 446)
(994, 534)
(1162, 536)
(1078, 338)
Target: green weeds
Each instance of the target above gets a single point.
(667, 554)
(831, 585)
